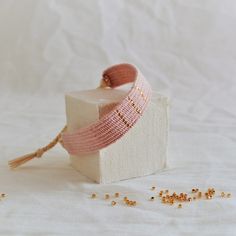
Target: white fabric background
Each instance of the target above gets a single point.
(184, 47)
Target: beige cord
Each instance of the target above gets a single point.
(38, 153)
(23, 159)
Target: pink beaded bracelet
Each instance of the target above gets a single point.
(112, 125)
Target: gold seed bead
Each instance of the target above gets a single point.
(127, 202)
(130, 203)
(189, 199)
(125, 198)
(113, 203)
(199, 194)
(107, 196)
(3, 195)
(222, 194)
(167, 191)
(180, 206)
(117, 194)
(193, 190)
(152, 198)
(208, 196)
(94, 195)
(172, 201)
(228, 195)
(163, 200)
(153, 188)
(133, 203)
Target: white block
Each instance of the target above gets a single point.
(141, 151)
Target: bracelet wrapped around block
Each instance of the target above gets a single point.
(113, 134)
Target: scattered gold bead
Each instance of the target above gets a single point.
(132, 203)
(165, 196)
(211, 191)
(113, 203)
(163, 200)
(3, 195)
(127, 202)
(208, 196)
(171, 201)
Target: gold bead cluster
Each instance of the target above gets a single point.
(129, 202)
(223, 194)
(125, 200)
(171, 198)
(166, 197)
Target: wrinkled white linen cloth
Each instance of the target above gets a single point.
(186, 48)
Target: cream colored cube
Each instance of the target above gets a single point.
(141, 151)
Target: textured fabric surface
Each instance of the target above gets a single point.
(184, 47)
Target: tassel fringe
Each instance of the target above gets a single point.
(37, 154)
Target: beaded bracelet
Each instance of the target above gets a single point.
(117, 122)
(113, 125)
